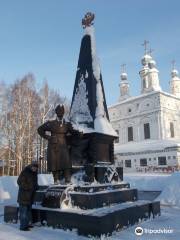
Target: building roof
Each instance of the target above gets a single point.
(146, 145)
(131, 99)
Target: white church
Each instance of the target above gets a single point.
(148, 125)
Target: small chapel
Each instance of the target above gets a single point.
(148, 125)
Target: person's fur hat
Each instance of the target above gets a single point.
(59, 107)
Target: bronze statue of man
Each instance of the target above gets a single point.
(58, 157)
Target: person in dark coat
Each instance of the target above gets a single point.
(28, 184)
(58, 157)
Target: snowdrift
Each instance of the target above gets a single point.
(9, 187)
(171, 192)
(147, 182)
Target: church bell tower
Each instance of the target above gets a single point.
(175, 81)
(124, 84)
(149, 73)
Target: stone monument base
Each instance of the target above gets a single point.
(91, 209)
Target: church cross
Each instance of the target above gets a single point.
(150, 51)
(123, 68)
(145, 43)
(173, 62)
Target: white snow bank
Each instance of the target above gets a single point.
(171, 192)
(3, 194)
(147, 182)
(11, 232)
(45, 179)
(168, 184)
(9, 187)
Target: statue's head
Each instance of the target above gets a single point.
(60, 111)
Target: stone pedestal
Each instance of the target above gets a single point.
(92, 210)
(96, 152)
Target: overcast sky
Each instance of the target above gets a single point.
(43, 37)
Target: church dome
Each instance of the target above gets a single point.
(146, 59)
(152, 64)
(174, 73)
(123, 76)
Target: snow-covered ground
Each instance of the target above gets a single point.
(169, 185)
(147, 181)
(169, 220)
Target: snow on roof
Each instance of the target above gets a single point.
(102, 125)
(170, 95)
(130, 99)
(146, 145)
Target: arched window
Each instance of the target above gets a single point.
(117, 139)
(147, 131)
(130, 134)
(171, 129)
(144, 83)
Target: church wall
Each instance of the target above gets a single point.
(135, 113)
(156, 108)
(170, 113)
(172, 160)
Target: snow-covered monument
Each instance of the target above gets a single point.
(148, 125)
(101, 202)
(89, 113)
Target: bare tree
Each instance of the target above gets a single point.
(22, 110)
(20, 121)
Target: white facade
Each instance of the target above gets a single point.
(148, 120)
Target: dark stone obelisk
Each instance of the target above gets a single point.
(88, 111)
(85, 73)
